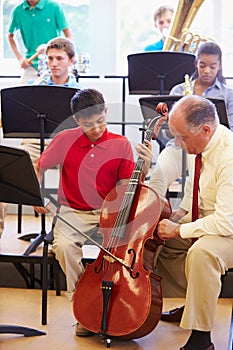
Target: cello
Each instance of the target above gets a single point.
(119, 295)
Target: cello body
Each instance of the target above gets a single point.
(123, 298)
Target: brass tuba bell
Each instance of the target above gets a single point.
(180, 38)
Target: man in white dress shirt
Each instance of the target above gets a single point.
(194, 123)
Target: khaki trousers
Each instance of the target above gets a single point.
(67, 244)
(28, 74)
(171, 266)
(32, 146)
(207, 259)
(196, 270)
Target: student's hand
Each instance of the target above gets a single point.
(24, 63)
(159, 125)
(49, 208)
(41, 49)
(144, 151)
(41, 210)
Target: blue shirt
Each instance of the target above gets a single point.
(217, 90)
(48, 81)
(158, 46)
(70, 83)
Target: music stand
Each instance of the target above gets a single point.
(18, 189)
(36, 112)
(152, 73)
(148, 105)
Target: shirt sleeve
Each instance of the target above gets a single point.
(62, 22)
(13, 25)
(177, 90)
(53, 154)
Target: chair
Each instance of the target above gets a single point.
(25, 264)
(227, 285)
(24, 190)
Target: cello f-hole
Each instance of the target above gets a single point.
(96, 269)
(136, 275)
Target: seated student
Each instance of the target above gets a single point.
(60, 52)
(92, 162)
(207, 81)
(194, 123)
(162, 21)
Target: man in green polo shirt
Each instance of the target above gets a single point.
(38, 22)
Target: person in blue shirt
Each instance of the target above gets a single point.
(162, 20)
(60, 53)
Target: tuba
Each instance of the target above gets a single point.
(180, 38)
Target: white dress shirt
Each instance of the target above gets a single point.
(215, 188)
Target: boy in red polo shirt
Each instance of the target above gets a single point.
(92, 161)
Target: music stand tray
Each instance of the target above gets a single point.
(24, 107)
(18, 181)
(36, 111)
(152, 73)
(18, 184)
(148, 105)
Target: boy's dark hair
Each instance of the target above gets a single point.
(87, 102)
(61, 43)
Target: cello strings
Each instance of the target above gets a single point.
(120, 226)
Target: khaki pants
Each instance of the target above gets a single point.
(199, 268)
(171, 266)
(33, 148)
(67, 244)
(28, 74)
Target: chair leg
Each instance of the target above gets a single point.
(19, 218)
(44, 283)
(56, 276)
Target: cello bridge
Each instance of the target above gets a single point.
(109, 258)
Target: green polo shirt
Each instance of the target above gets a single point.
(37, 25)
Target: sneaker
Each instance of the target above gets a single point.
(80, 331)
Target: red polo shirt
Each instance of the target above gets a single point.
(88, 171)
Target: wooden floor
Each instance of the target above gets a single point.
(23, 307)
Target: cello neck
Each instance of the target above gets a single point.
(132, 187)
(140, 161)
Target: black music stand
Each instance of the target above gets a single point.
(36, 112)
(152, 73)
(18, 189)
(148, 105)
